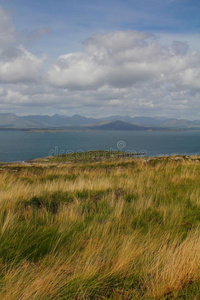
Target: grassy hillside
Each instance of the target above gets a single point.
(106, 228)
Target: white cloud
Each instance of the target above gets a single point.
(125, 59)
(121, 72)
(16, 97)
(17, 64)
(112, 59)
(21, 67)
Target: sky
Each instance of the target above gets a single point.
(100, 58)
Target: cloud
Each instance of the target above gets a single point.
(120, 72)
(111, 59)
(132, 73)
(20, 65)
(124, 59)
(17, 64)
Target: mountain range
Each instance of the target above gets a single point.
(115, 122)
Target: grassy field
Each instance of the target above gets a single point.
(100, 227)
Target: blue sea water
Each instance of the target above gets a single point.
(21, 146)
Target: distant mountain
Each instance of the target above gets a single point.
(149, 121)
(59, 120)
(119, 118)
(174, 123)
(119, 125)
(40, 121)
(11, 121)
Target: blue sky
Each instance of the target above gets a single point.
(68, 23)
(94, 58)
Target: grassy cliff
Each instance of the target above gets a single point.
(100, 228)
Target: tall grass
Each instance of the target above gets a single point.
(124, 229)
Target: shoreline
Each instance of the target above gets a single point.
(89, 157)
(87, 129)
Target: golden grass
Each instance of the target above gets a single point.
(109, 230)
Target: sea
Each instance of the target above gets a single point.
(21, 146)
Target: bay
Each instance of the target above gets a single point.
(21, 146)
